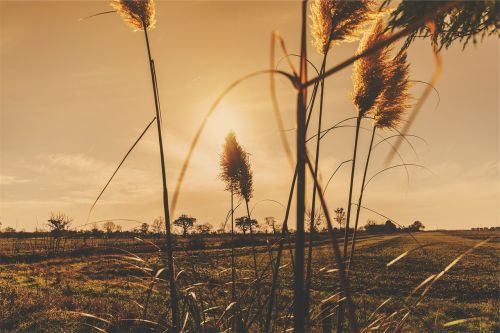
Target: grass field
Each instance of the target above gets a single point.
(46, 296)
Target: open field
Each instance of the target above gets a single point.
(40, 297)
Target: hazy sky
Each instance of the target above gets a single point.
(76, 94)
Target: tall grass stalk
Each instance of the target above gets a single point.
(368, 80)
(140, 15)
(233, 264)
(169, 253)
(389, 110)
(313, 201)
(344, 282)
(284, 229)
(360, 199)
(299, 292)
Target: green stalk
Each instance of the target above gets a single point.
(169, 252)
(353, 243)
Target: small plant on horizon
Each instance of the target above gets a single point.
(185, 222)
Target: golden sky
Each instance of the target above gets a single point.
(76, 94)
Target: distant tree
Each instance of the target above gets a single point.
(339, 216)
(158, 226)
(144, 228)
(58, 223)
(318, 219)
(9, 230)
(203, 229)
(221, 228)
(390, 226)
(95, 230)
(118, 228)
(245, 224)
(416, 226)
(373, 227)
(185, 222)
(109, 227)
(271, 222)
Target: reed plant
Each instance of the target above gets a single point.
(333, 22)
(140, 16)
(388, 112)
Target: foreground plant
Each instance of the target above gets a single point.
(388, 112)
(236, 173)
(333, 22)
(140, 15)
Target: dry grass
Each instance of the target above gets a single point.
(37, 297)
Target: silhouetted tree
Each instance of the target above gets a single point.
(58, 223)
(158, 226)
(9, 230)
(144, 228)
(203, 228)
(416, 226)
(339, 216)
(390, 226)
(271, 221)
(185, 222)
(245, 224)
(109, 227)
(316, 220)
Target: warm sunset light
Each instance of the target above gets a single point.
(249, 166)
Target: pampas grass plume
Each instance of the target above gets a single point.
(369, 74)
(334, 21)
(138, 14)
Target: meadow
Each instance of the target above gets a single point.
(63, 294)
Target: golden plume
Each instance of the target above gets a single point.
(369, 74)
(393, 102)
(335, 21)
(137, 13)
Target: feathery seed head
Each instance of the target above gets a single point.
(393, 102)
(370, 71)
(334, 21)
(236, 171)
(139, 14)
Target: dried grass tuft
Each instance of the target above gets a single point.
(137, 13)
(370, 73)
(334, 22)
(394, 100)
